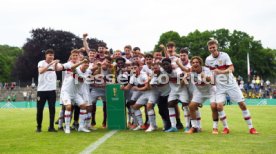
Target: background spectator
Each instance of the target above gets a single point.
(13, 97)
(33, 85)
(24, 95)
(228, 101)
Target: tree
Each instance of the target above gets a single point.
(61, 42)
(8, 56)
(166, 37)
(196, 42)
(237, 44)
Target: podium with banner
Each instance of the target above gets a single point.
(115, 105)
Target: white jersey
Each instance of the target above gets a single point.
(142, 97)
(147, 70)
(91, 65)
(178, 90)
(173, 61)
(68, 86)
(127, 59)
(200, 85)
(123, 77)
(190, 85)
(222, 62)
(82, 87)
(174, 78)
(138, 80)
(203, 90)
(225, 83)
(47, 81)
(188, 64)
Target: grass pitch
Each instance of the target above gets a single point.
(17, 135)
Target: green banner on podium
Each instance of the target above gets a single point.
(116, 112)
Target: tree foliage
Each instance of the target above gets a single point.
(237, 44)
(8, 56)
(61, 42)
(166, 37)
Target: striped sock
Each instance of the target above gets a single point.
(67, 118)
(138, 115)
(151, 116)
(82, 118)
(247, 118)
(198, 119)
(222, 117)
(187, 116)
(172, 116)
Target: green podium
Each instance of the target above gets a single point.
(115, 105)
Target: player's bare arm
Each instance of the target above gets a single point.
(230, 69)
(85, 43)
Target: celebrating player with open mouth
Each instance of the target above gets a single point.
(221, 64)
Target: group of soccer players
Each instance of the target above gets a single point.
(149, 80)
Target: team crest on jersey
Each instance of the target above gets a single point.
(220, 62)
(38, 98)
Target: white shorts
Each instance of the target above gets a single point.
(153, 96)
(234, 93)
(66, 99)
(181, 95)
(95, 93)
(191, 89)
(200, 98)
(143, 99)
(150, 96)
(135, 95)
(81, 99)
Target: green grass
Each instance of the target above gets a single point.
(17, 135)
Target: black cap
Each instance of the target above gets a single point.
(120, 58)
(166, 60)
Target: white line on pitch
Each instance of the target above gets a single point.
(92, 147)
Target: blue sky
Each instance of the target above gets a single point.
(138, 23)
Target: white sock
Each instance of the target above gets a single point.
(88, 120)
(172, 116)
(60, 119)
(138, 115)
(194, 123)
(151, 116)
(187, 116)
(215, 124)
(82, 118)
(247, 118)
(222, 117)
(198, 119)
(129, 115)
(135, 121)
(67, 118)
